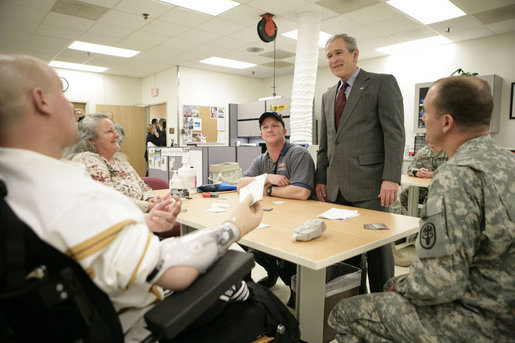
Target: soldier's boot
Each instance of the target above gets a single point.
(399, 259)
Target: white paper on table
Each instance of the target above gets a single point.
(278, 202)
(218, 207)
(255, 188)
(339, 214)
(262, 225)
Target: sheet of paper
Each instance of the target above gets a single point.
(255, 188)
(220, 124)
(218, 207)
(220, 138)
(278, 202)
(262, 225)
(338, 214)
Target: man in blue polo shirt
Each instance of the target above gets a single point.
(291, 175)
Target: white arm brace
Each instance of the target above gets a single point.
(198, 249)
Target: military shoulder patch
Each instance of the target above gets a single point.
(427, 235)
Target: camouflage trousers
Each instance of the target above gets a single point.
(389, 317)
(401, 205)
(378, 317)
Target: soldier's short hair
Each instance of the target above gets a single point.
(466, 98)
(350, 42)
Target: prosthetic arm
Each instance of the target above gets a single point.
(198, 249)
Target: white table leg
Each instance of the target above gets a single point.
(310, 303)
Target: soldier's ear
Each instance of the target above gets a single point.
(448, 122)
(40, 101)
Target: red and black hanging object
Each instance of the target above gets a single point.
(266, 28)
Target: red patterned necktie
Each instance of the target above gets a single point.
(340, 104)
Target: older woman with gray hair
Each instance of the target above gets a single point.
(98, 150)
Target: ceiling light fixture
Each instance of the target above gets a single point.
(322, 39)
(428, 11)
(211, 7)
(419, 44)
(225, 62)
(103, 49)
(77, 66)
(270, 98)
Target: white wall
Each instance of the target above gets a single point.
(166, 82)
(208, 88)
(103, 89)
(198, 87)
(490, 55)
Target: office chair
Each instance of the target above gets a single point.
(155, 182)
(47, 297)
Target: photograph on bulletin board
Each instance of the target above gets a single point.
(190, 111)
(198, 138)
(201, 124)
(197, 124)
(214, 113)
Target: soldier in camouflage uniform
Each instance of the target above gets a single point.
(424, 165)
(463, 287)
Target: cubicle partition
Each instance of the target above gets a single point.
(163, 161)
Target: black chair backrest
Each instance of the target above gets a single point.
(44, 295)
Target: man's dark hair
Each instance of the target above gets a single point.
(153, 121)
(466, 98)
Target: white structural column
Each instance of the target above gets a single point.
(304, 78)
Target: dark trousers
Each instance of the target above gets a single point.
(274, 266)
(379, 261)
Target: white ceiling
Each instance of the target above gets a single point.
(176, 36)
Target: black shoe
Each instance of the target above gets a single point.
(291, 301)
(269, 281)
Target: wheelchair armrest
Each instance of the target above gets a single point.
(177, 311)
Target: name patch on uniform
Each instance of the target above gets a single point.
(427, 236)
(281, 166)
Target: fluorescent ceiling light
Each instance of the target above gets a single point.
(225, 62)
(428, 11)
(103, 49)
(211, 7)
(420, 44)
(270, 98)
(322, 38)
(76, 66)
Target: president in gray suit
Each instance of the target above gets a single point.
(362, 139)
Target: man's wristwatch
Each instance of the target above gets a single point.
(269, 190)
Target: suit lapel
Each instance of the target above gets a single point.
(357, 90)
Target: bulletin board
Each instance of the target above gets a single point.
(203, 124)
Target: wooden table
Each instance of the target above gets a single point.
(339, 242)
(414, 183)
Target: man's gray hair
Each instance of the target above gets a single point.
(88, 128)
(350, 42)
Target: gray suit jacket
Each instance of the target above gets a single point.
(368, 147)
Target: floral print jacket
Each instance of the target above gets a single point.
(120, 176)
